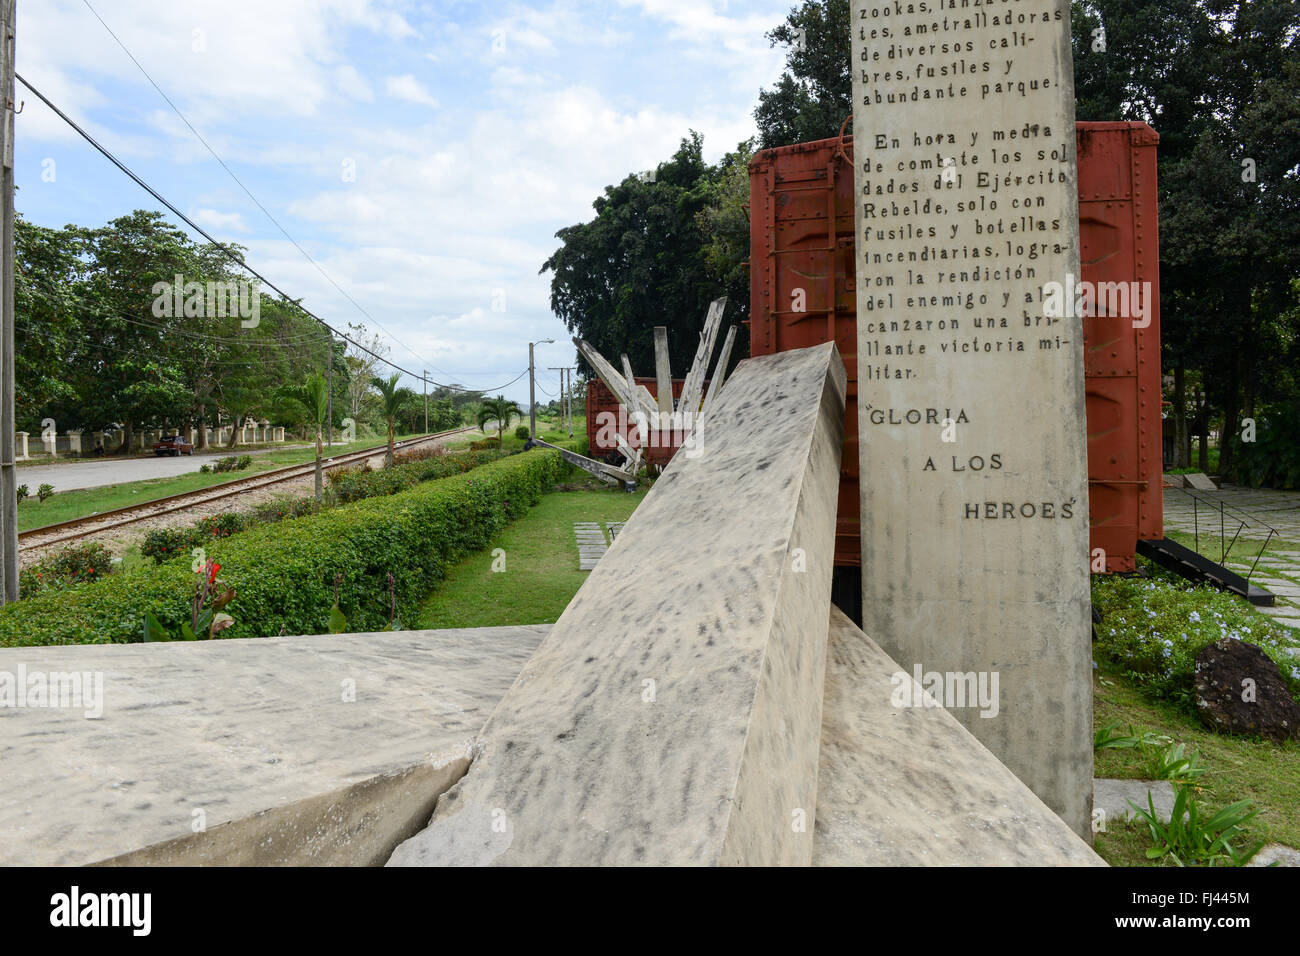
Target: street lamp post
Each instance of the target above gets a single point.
(532, 388)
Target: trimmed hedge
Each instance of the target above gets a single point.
(349, 486)
(163, 544)
(284, 574)
(357, 485)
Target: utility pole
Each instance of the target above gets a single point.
(532, 395)
(426, 401)
(329, 387)
(532, 388)
(563, 400)
(568, 401)
(566, 395)
(8, 468)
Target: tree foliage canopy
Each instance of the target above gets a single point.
(644, 259)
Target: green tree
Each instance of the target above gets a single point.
(49, 343)
(499, 410)
(129, 373)
(392, 400)
(644, 261)
(814, 95)
(313, 394)
(443, 415)
(1220, 81)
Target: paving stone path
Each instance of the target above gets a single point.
(1279, 569)
(591, 543)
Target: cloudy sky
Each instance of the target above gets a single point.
(423, 153)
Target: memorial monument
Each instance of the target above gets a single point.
(970, 371)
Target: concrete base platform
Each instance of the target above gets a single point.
(910, 786)
(298, 750)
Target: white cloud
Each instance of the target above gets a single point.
(447, 206)
(213, 219)
(407, 87)
(352, 84)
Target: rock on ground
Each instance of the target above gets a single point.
(1239, 690)
(1112, 798)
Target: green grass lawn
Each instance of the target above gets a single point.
(1212, 460)
(1265, 773)
(79, 503)
(548, 430)
(541, 571)
(1151, 631)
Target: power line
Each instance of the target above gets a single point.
(247, 191)
(234, 257)
(85, 346)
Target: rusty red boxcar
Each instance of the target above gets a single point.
(601, 400)
(802, 293)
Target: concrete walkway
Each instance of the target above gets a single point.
(1278, 570)
(71, 475)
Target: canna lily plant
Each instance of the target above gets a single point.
(207, 616)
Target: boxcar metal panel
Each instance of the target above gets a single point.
(802, 293)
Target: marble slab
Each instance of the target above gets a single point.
(905, 784)
(673, 714)
(327, 749)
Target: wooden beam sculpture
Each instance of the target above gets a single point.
(657, 411)
(689, 406)
(720, 371)
(663, 373)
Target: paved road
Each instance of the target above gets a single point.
(71, 475)
(1261, 509)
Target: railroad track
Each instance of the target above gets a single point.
(77, 528)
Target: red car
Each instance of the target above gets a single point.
(172, 445)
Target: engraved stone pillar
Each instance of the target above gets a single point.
(970, 379)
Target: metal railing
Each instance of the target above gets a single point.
(1244, 520)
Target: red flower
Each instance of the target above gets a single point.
(212, 573)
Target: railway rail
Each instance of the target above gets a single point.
(76, 528)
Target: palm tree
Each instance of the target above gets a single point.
(391, 399)
(499, 410)
(314, 394)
